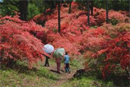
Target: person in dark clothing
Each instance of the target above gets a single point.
(47, 61)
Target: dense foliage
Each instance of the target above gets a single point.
(8, 7)
(114, 51)
(17, 41)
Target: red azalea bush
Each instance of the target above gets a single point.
(17, 43)
(41, 18)
(75, 22)
(29, 26)
(124, 12)
(42, 35)
(93, 39)
(59, 41)
(52, 24)
(100, 16)
(118, 16)
(114, 51)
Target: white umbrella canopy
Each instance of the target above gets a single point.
(48, 48)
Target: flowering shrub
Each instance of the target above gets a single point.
(59, 41)
(118, 16)
(117, 52)
(100, 16)
(42, 35)
(17, 43)
(41, 18)
(124, 12)
(113, 52)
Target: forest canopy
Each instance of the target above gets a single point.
(30, 8)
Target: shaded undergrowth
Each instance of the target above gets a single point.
(116, 80)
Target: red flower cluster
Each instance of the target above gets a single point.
(116, 49)
(16, 41)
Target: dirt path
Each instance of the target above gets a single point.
(63, 77)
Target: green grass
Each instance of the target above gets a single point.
(77, 63)
(21, 76)
(87, 82)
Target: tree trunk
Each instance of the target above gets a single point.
(91, 7)
(2, 52)
(88, 10)
(1, 57)
(106, 11)
(23, 8)
(129, 8)
(69, 7)
(59, 16)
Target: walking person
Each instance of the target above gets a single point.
(58, 55)
(66, 61)
(58, 63)
(47, 61)
(48, 49)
